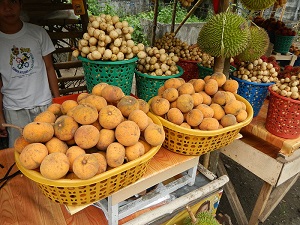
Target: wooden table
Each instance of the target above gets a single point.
(21, 199)
(273, 159)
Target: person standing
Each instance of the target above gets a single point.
(28, 80)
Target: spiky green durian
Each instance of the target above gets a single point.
(258, 44)
(225, 34)
(257, 4)
(203, 218)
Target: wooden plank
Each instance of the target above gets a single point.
(65, 79)
(213, 161)
(47, 6)
(276, 196)
(63, 50)
(65, 35)
(290, 168)
(232, 197)
(72, 90)
(260, 203)
(60, 22)
(241, 152)
(67, 65)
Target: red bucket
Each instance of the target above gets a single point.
(283, 116)
(190, 68)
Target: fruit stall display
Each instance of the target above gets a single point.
(97, 142)
(254, 78)
(206, 112)
(108, 52)
(283, 118)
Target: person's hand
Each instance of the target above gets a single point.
(3, 131)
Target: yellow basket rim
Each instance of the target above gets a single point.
(194, 132)
(38, 178)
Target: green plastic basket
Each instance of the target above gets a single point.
(283, 43)
(117, 73)
(205, 71)
(147, 85)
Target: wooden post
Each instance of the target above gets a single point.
(174, 16)
(188, 15)
(154, 21)
(282, 12)
(85, 18)
(273, 11)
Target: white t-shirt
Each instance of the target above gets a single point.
(23, 71)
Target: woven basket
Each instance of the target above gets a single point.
(282, 44)
(80, 192)
(283, 116)
(254, 92)
(117, 73)
(190, 68)
(147, 85)
(197, 142)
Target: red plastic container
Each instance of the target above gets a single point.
(283, 116)
(190, 68)
(61, 99)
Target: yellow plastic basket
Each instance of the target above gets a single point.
(80, 192)
(197, 142)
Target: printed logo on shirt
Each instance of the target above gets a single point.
(21, 61)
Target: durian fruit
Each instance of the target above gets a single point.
(258, 45)
(202, 218)
(257, 4)
(225, 34)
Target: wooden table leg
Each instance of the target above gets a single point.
(277, 195)
(260, 203)
(232, 197)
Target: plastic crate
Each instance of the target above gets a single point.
(254, 92)
(117, 73)
(282, 44)
(283, 116)
(205, 71)
(80, 192)
(147, 85)
(197, 142)
(190, 68)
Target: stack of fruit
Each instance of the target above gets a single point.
(81, 138)
(157, 62)
(107, 38)
(262, 70)
(184, 51)
(200, 104)
(288, 84)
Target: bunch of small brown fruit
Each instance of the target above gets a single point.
(157, 62)
(107, 38)
(171, 44)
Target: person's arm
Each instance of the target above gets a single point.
(52, 78)
(3, 132)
